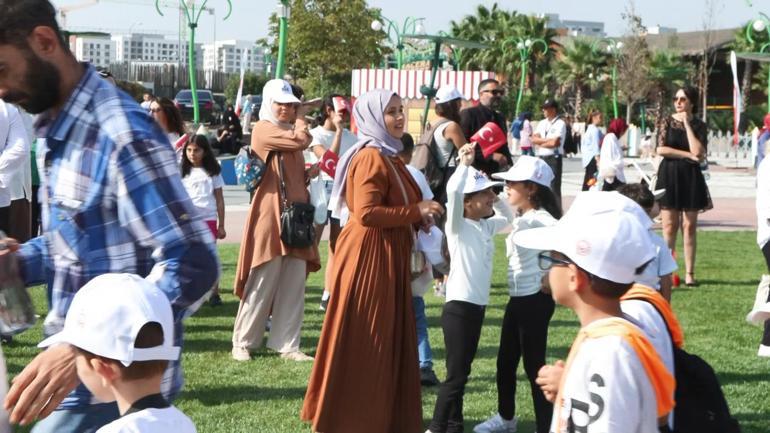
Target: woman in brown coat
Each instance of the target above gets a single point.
(366, 375)
(270, 277)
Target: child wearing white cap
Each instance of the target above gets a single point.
(470, 230)
(125, 340)
(529, 310)
(614, 380)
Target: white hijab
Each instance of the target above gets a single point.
(276, 91)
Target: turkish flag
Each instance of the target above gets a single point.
(328, 163)
(490, 137)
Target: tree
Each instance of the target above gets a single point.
(327, 39)
(252, 85)
(633, 62)
(578, 68)
(742, 44)
(666, 71)
(708, 55)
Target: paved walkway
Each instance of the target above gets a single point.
(732, 191)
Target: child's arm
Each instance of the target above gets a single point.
(220, 198)
(454, 189)
(666, 283)
(504, 216)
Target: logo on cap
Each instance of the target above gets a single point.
(286, 88)
(583, 248)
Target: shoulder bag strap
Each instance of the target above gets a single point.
(284, 203)
(398, 178)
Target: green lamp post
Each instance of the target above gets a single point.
(762, 24)
(438, 40)
(283, 33)
(612, 47)
(396, 36)
(192, 14)
(525, 47)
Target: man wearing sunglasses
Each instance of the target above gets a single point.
(473, 118)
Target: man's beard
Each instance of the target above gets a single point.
(41, 86)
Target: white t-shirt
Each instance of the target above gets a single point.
(420, 284)
(167, 420)
(662, 264)
(524, 273)
(551, 129)
(200, 186)
(471, 245)
(607, 390)
(763, 202)
(324, 137)
(611, 158)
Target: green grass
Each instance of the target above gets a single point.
(265, 395)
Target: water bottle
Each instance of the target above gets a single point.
(17, 313)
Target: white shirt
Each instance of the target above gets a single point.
(200, 186)
(524, 273)
(607, 390)
(763, 202)
(167, 420)
(611, 158)
(662, 264)
(14, 153)
(324, 138)
(590, 143)
(420, 284)
(551, 129)
(471, 245)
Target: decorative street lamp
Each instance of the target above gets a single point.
(613, 48)
(525, 47)
(396, 36)
(192, 16)
(284, 10)
(762, 24)
(430, 91)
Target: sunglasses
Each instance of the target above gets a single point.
(155, 110)
(494, 92)
(546, 260)
(679, 99)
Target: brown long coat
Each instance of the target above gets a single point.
(366, 376)
(261, 234)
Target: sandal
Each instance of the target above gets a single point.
(690, 280)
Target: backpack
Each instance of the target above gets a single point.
(516, 128)
(426, 159)
(249, 169)
(701, 406)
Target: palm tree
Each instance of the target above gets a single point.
(578, 67)
(666, 71)
(742, 44)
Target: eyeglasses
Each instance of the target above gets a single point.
(679, 99)
(545, 260)
(155, 110)
(495, 92)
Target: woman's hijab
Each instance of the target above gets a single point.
(369, 115)
(618, 127)
(279, 91)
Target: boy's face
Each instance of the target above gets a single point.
(562, 279)
(92, 380)
(478, 205)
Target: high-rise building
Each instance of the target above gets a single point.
(226, 56)
(574, 27)
(149, 48)
(95, 48)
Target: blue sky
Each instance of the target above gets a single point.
(249, 18)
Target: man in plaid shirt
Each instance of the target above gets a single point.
(113, 201)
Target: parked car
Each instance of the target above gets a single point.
(206, 105)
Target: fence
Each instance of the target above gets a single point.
(168, 79)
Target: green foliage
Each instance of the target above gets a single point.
(578, 67)
(252, 85)
(326, 40)
(761, 78)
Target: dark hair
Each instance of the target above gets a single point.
(210, 163)
(606, 288)
(486, 81)
(20, 17)
(326, 103)
(545, 199)
(297, 91)
(173, 115)
(150, 335)
(590, 116)
(639, 193)
(408, 141)
(450, 110)
(527, 115)
(692, 95)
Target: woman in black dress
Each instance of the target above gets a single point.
(682, 140)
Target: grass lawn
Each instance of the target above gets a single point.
(265, 395)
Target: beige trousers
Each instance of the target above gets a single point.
(278, 288)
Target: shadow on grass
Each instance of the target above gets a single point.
(728, 377)
(225, 395)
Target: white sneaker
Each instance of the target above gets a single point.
(296, 356)
(496, 424)
(761, 310)
(241, 354)
(764, 351)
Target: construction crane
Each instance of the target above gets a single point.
(66, 9)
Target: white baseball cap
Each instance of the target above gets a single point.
(528, 168)
(604, 240)
(447, 93)
(107, 313)
(604, 201)
(478, 181)
(280, 91)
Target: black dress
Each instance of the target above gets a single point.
(683, 179)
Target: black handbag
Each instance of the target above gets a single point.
(297, 229)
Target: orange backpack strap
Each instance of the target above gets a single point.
(644, 293)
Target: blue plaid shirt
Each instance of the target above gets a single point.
(113, 201)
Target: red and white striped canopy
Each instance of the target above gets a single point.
(407, 82)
